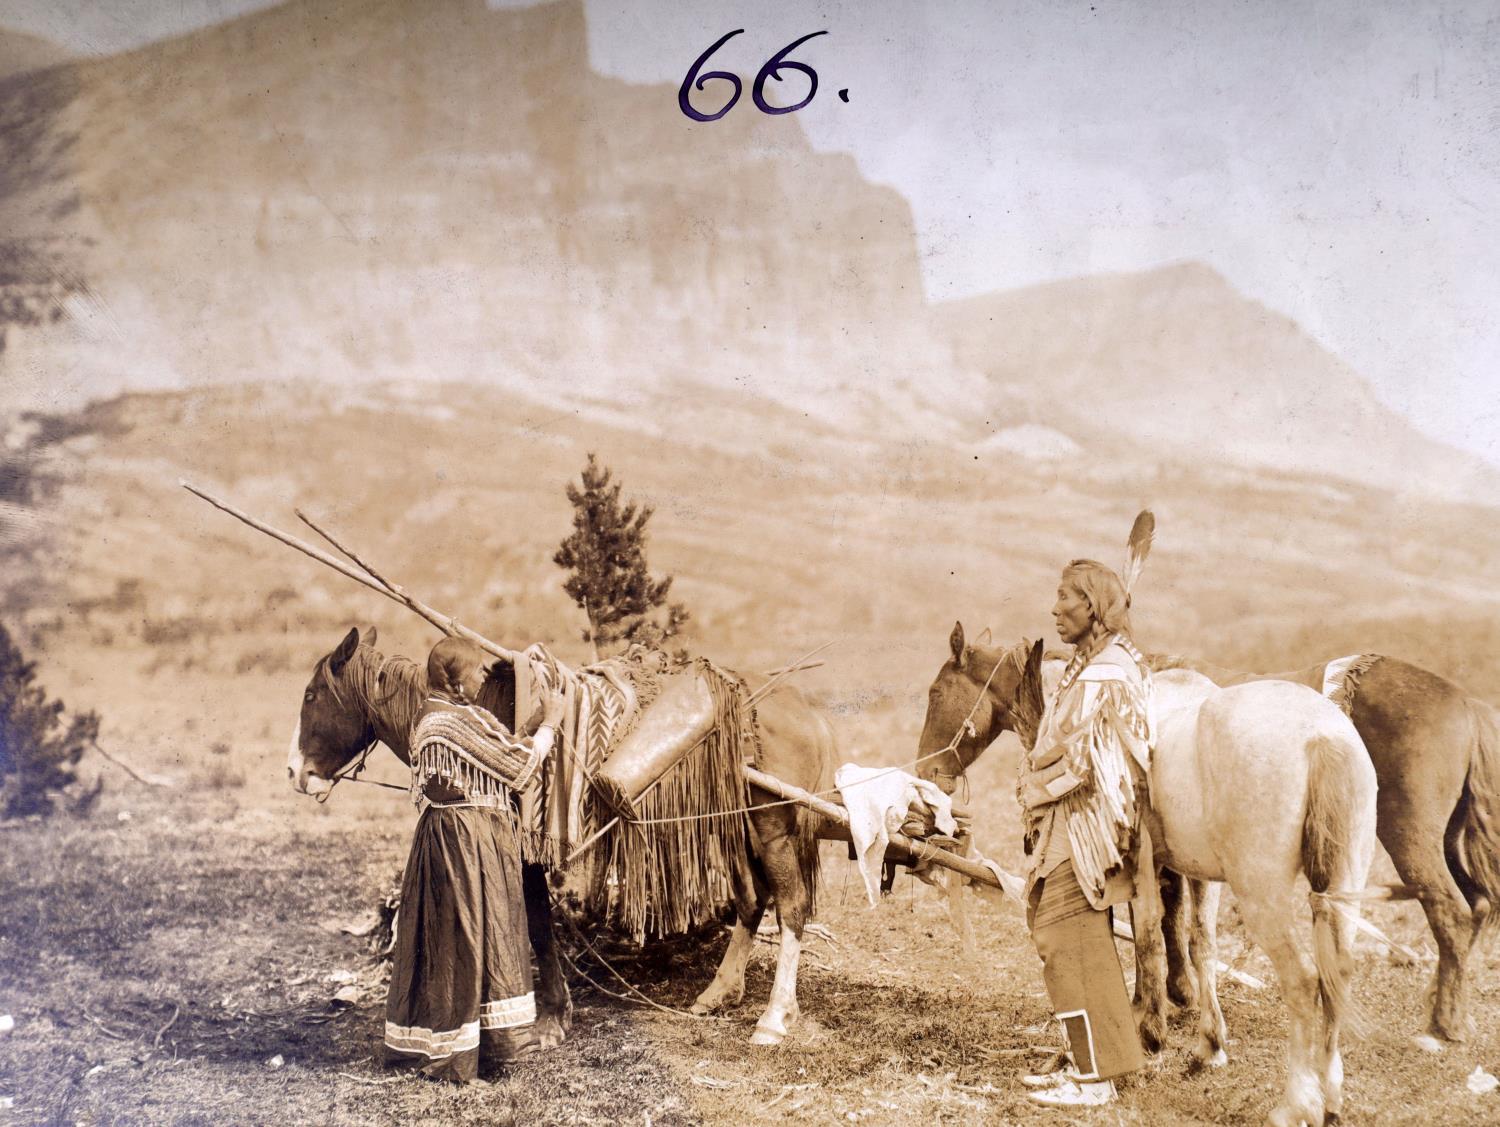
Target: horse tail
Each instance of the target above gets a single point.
(1332, 814)
(808, 855)
(824, 751)
(1479, 838)
(1333, 859)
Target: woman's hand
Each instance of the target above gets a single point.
(552, 716)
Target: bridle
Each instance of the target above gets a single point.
(1013, 654)
(354, 766)
(351, 772)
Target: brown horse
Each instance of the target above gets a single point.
(1436, 753)
(356, 698)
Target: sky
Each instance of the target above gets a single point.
(1336, 160)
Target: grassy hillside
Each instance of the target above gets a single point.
(187, 630)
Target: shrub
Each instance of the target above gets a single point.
(606, 560)
(39, 753)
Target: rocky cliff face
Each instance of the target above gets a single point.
(21, 53)
(383, 190)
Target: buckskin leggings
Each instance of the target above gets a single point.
(1083, 977)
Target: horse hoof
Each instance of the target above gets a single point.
(1427, 1043)
(1199, 1063)
(1183, 995)
(766, 1036)
(1153, 1036)
(550, 1033)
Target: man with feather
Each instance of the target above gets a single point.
(1082, 787)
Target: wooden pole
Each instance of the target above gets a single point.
(445, 623)
(354, 559)
(915, 850)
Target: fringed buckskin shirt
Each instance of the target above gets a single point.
(1094, 743)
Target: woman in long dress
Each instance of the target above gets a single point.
(461, 986)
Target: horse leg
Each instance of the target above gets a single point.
(784, 873)
(1268, 907)
(1212, 1034)
(1150, 969)
(1177, 933)
(554, 1003)
(1416, 729)
(954, 887)
(1479, 911)
(728, 985)
(1420, 859)
(1333, 943)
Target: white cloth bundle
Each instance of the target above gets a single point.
(878, 800)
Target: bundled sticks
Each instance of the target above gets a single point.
(364, 575)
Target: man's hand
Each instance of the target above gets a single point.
(1044, 787)
(1034, 794)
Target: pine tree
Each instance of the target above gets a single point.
(39, 754)
(606, 554)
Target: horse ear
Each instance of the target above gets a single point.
(985, 638)
(956, 642)
(368, 637)
(345, 651)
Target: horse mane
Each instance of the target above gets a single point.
(389, 690)
(1165, 663)
(1160, 663)
(1031, 702)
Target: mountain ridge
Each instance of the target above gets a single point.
(375, 191)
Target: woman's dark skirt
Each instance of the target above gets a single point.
(461, 993)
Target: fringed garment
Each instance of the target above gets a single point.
(1093, 749)
(461, 987)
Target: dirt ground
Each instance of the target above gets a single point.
(174, 959)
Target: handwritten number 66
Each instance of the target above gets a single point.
(774, 65)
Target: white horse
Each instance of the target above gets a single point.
(1255, 786)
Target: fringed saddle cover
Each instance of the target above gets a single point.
(602, 704)
(684, 855)
(1341, 679)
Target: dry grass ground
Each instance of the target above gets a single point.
(156, 966)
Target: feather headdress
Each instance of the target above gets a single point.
(1137, 548)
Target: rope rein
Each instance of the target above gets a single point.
(365, 692)
(965, 728)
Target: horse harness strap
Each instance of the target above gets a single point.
(967, 727)
(352, 772)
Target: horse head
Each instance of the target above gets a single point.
(978, 693)
(335, 724)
